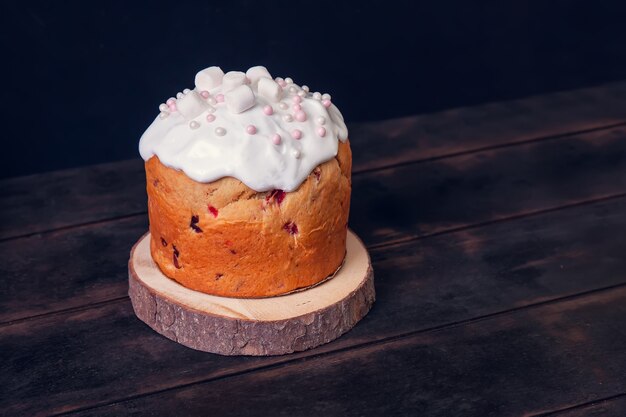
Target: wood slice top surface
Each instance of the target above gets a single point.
(260, 326)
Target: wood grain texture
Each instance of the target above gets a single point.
(68, 268)
(34, 204)
(426, 198)
(522, 363)
(493, 124)
(37, 203)
(83, 358)
(391, 205)
(257, 327)
(451, 334)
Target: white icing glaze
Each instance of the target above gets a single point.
(210, 133)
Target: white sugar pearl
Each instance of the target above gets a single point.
(211, 109)
(296, 154)
(288, 80)
(283, 106)
(288, 118)
(220, 131)
(194, 125)
(305, 88)
(326, 97)
(163, 114)
(321, 120)
(293, 89)
(163, 107)
(302, 93)
(317, 95)
(179, 95)
(186, 91)
(212, 101)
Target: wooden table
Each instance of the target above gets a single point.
(498, 237)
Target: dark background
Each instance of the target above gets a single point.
(81, 81)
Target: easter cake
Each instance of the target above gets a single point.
(248, 183)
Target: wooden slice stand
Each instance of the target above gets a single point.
(263, 326)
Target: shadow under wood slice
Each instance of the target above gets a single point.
(85, 358)
(38, 203)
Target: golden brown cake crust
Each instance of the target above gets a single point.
(226, 239)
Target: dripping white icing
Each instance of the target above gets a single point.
(211, 134)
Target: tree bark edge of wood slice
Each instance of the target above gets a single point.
(257, 327)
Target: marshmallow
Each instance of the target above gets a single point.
(256, 73)
(232, 80)
(190, 105)
(209, 78)
(240, 99)
(269, 89)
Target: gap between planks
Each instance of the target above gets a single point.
(492, 147)
(497, 220)
(370, 247)
(307, 355)
(358, 172)
(75, 226)
(599, 401)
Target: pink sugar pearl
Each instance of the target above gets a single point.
(210, 118)
(251, 129)
(204, 94)
(276, 139)
(220, 98)
(321, 131)
(296, 133)
(300, 116)
(268, 110)
(172, 107)
(170, 101)
(282, 83)
(297, 107)
(297, 99)
(326, 103)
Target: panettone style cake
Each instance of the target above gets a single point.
(248, 181)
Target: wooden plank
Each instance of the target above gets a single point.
(37, 203)
(76, 359)
(390, 205)
(612, 407)
(531, 361)
(420, 199)
(66, 269)
(493, 124)
(59, 199)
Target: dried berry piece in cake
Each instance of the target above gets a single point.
(194, 224)
(291, 227)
